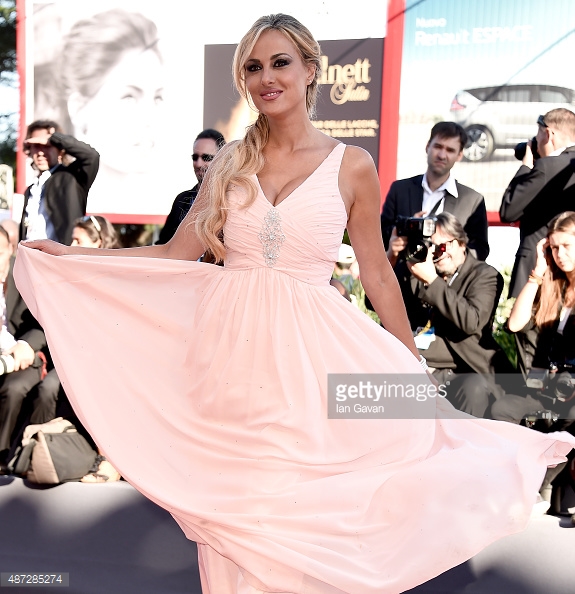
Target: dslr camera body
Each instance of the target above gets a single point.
(521, 148)
(418, 231)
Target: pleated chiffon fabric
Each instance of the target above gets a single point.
(207, 388)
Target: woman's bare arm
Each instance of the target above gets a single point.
(359, 185)
(523, 307)
(184, 245)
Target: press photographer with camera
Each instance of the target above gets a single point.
(546, 305)
(451, 298)
(434, 192)
(541, 189)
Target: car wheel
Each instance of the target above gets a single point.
(479, 144)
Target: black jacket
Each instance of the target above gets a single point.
(534, 197)
(20, 322)
(65, 193)
(462, 312)
(180, 208)
(405, 198)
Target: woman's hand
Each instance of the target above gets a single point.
(541, 262)
(48, 246)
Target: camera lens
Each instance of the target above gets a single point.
(520, 150)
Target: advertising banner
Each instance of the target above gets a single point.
(349, 104)
(127, 77)
(491, 66)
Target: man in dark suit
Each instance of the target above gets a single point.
(23, 339)
(60, 194)
(541, 189)
(208, 142)
(451, 299)
(437, 191)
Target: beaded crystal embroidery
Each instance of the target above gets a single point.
(271, 236)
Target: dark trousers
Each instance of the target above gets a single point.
(471, 393)
(14, 389)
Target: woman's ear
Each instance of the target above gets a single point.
(311, 70)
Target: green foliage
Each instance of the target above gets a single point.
(504, 338)
(7, 39)
(8, 138)
(8, 78)
(357, 295)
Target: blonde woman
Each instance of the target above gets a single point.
(222, 412)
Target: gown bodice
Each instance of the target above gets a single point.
(300, 236)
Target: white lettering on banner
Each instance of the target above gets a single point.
(495, 34)
(348, 128)
(428, 23)
(347, 81)
(477, 35)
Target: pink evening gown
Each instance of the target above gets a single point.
(206, 388)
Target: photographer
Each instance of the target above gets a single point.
(541, 189)
(437, 191)
(546, 304)
(451, 298)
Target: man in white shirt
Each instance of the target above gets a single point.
(437, 191)
(60, 194)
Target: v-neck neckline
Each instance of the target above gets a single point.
(300, 185)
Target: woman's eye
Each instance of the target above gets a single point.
(129, 98)
(158, 99)
(279, 63)
(253, 67)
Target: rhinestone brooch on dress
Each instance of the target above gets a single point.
(271, 236)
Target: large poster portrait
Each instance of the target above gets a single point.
(104, 83)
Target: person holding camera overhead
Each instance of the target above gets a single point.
(437, 191)
(451, 298)
(541, 189)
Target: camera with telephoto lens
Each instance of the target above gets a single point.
(521, 148)
(418, 231)
(564, 386)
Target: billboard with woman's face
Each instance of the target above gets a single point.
(128, 77)
(104, 84)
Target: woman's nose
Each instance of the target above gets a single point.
(268, 76)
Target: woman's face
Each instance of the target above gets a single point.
(562, 247)
(80, 237)
(121, 121)
(276, 76)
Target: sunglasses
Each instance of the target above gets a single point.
(541, 122)
(440, 248)
(206, 158)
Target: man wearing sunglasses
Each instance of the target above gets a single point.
(207, 144)
(541, 189)
(451, 299)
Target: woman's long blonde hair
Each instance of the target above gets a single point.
(237, 161)
(555, 280)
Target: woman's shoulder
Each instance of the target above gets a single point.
(357, 161)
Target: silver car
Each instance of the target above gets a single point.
(501, 117)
